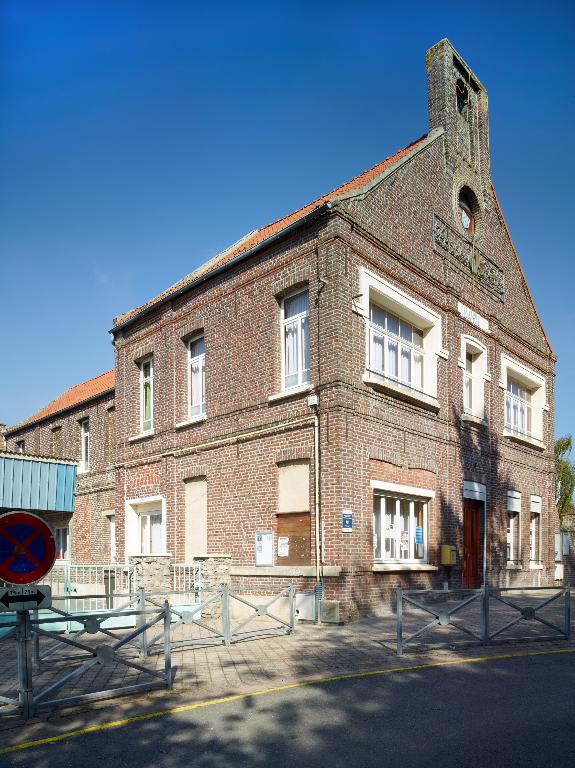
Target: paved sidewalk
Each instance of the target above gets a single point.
(312, 652)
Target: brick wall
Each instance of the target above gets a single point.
(59, 436)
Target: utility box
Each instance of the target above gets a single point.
(329, 612)
(448, 554)
(305, 606)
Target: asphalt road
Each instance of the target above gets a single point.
(508, 712)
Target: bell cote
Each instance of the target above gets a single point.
(458, 104)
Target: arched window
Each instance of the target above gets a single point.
(466, 214)
(461, 97)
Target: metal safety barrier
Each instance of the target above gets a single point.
(210, 622)
(29, 630)
(489, 623)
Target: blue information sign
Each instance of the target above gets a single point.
(347, 521)
(418, 534)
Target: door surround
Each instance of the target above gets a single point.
(478, 492)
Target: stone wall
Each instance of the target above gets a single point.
(215, 571)
(152, 572)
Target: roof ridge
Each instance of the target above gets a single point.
(65, 400)
(260, 235)
(344, 184)
(93, 378)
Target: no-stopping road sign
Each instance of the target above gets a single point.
(27, 548)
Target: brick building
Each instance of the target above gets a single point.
(339, 393)
(80, 425)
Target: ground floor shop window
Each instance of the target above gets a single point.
(400, 529)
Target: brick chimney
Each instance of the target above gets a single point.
(458, 104)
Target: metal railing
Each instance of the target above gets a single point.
(490, 623)
(95, 583)
(28, 630)
(186, 577)
(211, 622)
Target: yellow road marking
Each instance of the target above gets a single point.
(275, 689)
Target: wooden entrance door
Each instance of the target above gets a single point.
(471, 511)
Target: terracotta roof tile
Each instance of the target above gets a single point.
(258, 236)
(75, 395)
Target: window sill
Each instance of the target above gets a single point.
(290, 393)
(532, 442)
(534, 566)
(141, 436)
(82, 471)
(514, 567)
(402, 567)
(190, 422)
(283, 570)
(471, 419)
(150, 554)
(403, 393)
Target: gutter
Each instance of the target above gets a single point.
(315, 214)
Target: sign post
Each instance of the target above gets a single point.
(27, 553)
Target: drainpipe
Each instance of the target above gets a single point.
(316, 495)
(485, 539)
(312, 402)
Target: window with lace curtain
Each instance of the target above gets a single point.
(295, 340)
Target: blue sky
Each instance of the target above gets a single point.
(137, 139)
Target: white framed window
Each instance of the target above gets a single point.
(518, 409)
(145, 526)
(525, 400)
(403, 339)
(535, 530)
(399, 528)
(61, 536)
(112, 532)
(295, 340)
(473, 361)
(151, 534)
(395, 348)
(20, 446)
(147, 395)
(513, 527)
(84, 446)
(197, 377)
